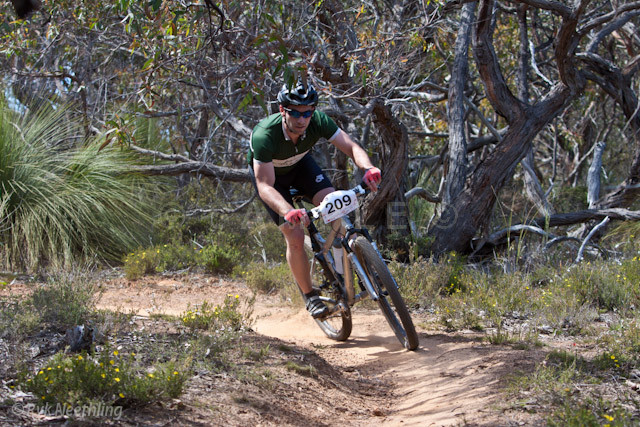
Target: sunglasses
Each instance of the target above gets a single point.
(297, 114)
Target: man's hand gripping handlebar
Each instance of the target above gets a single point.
(372, 178)
(297, 217)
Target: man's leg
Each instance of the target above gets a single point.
(296, 256)
(317, 199)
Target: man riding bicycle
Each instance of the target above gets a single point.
(279, 158)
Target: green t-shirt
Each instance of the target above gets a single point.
(269, 144)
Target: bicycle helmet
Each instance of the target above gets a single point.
(300, 94)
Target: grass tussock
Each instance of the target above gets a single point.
(64, 204)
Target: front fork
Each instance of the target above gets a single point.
(347, 243)
(344, 231)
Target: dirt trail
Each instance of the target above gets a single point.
(451, 379)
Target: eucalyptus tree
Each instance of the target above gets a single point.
(563, 50)
(452, 96)
(198, 76)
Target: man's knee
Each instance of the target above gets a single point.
(294, 236)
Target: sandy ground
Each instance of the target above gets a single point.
(452, 379)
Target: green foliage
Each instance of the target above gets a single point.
(620, 347)
(159, 258)
(216, 259)
(557, 297)
(565, 387)
(208, 317)
(267, 278)
(64, 302)
(304, 370)
(609, 286)
(570, 199)
(59, 207)
(421, 281)
(106, 377)
(18, 318)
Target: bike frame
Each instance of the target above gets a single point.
(344, 230)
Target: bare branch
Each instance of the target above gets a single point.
(593, 177)
(504, 102)
(608, 16)
(611, 27)
(196, 168)
(553, 6)
(199, 211)
(160, 155)
(579, 217)
(422, 193)
(589, 236)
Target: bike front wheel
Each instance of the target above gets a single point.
(390, 300)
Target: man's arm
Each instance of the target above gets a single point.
(265, 178)
(344, 143)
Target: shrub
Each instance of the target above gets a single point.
(604, 285)
(208, 317)
(65, 301)
(216, 259)
(212, 258)
(140, 262)
(267, 278)
(107, 377)
(267, 243)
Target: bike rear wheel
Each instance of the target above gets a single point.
(338, 325)
(390, 300)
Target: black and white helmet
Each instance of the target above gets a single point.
(300, 94)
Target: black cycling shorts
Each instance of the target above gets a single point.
(306, 177)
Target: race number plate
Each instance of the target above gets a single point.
(338, 204)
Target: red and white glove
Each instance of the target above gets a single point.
(296, 216)
(372, 178)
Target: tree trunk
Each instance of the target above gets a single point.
(457, 154)
(532, 185)
(386, 212)
(471, 211)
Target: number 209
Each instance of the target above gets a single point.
(338, 204)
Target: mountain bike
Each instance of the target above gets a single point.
(345, 250)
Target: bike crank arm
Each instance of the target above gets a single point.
(363, 277)
(339, 307)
